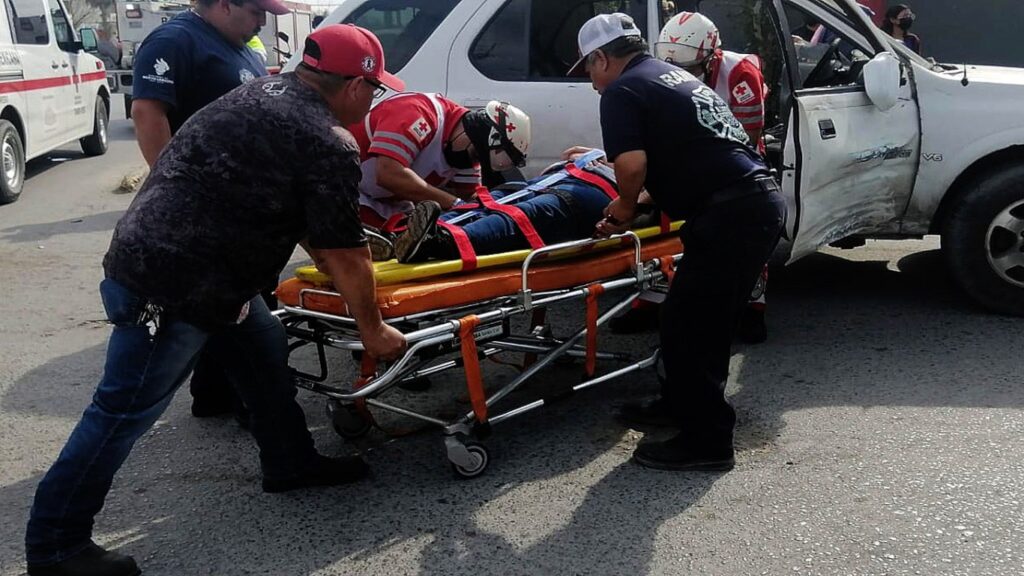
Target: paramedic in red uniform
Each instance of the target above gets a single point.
(416, 147)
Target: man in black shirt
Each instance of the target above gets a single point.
(666, 131)
(237, 188)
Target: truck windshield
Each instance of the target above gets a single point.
(402, 25)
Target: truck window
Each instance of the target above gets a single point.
(28, 18)
(402, 25)
(536, 39)
(62, 29)
(827, 52)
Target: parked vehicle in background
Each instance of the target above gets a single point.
(286, 34)
(869, 140)
(135, 20)
(51, 91)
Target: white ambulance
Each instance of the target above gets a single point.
(51, 91)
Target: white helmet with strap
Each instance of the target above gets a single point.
(688, 40)
(509, 139)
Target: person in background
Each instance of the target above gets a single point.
(898, 21)
(169, 89)
(256, 45)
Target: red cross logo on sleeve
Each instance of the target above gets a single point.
(741, 91)
(511, 127)
(423, 126)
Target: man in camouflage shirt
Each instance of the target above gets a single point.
(237, 188)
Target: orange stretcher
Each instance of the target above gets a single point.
(455, 320)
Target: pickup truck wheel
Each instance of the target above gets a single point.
(983, 241)
(12, 163)
(95, 144)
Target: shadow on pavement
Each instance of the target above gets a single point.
(101, 222)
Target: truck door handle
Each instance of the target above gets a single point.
(827, 128)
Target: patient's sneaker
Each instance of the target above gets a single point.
(421, 226)
(381, 246)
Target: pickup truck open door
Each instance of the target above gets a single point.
(852, 147)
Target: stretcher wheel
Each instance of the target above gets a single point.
(478, 459)
(347, 421)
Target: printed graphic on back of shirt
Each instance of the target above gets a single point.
(713, 113)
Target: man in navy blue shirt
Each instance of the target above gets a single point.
(182, 66)
(668, 132)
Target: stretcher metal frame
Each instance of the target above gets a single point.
(435, 336)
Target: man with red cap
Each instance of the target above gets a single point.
(182, 66)
(243, 181)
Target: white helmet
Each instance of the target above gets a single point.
(509, 139)
(687, 40)
(500, 130)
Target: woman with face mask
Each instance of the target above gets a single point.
(898, 20)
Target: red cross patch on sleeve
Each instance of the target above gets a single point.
(420, 129)
(742, 93)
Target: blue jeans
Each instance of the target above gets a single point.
(142, 372)
(556, 218)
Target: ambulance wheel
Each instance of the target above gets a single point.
(347, 421)
(983, 241)
(12, 153)
(479, 459)
(95, 144)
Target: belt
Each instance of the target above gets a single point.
(742, 189)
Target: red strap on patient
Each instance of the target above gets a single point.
(471, 364)
(517, 216)
(466, 251)
(593, 292)
(666, 223)
(591, 178)
(396, 223)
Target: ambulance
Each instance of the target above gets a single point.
(52, 91)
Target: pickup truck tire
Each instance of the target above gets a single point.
(983, 241)
(12, 163)
(95, 144)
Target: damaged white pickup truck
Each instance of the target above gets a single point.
(870, 140)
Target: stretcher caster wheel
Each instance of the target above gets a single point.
(470, 461)
(347, 421)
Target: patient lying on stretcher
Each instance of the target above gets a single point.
(565, 203)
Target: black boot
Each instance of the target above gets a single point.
(323, 471)
(752, 329)
(654, 412)
(684, 452)
(93, 561)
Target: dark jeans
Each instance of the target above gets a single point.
(141, 374)
(569, 215)
(217, 375)
(724, 249)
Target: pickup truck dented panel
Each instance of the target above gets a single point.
(961, 125)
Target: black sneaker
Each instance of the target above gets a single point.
(421, 224)
(93, 561)
(636, 320)
(646, 413)
(752, 329)
(682, 454)
(324, 472)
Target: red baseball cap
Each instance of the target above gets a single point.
(348, 50)
(275, 7)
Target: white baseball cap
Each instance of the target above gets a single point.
(601, 30)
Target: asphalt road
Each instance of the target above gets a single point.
(880, 433)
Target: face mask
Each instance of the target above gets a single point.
(906, 23)
(458, 159)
